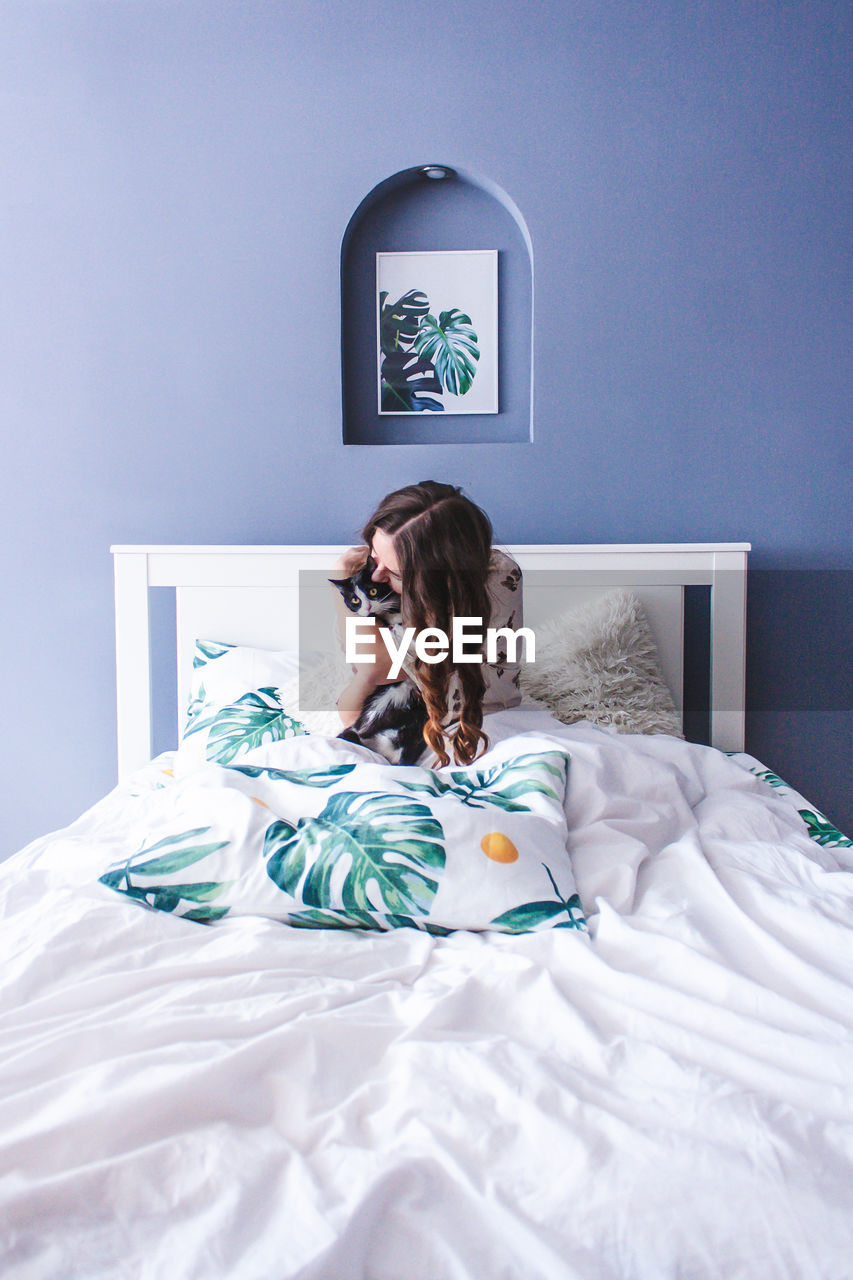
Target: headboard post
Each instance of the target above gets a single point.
(133, 659)
(728, 650)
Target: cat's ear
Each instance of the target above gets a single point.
(343, 584)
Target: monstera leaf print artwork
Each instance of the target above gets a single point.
(437, 329)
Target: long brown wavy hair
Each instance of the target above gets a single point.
(443, 542)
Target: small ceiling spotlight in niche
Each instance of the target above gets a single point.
(437, 171)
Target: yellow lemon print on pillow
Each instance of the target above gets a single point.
(498, 847)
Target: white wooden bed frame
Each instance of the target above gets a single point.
(249, 595)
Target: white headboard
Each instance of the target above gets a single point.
(249, 595)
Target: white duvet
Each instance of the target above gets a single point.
(669, 1096)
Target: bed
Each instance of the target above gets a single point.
(589, 1014)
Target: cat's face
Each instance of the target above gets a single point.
(365, 597)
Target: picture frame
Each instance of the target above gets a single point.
(437, 332)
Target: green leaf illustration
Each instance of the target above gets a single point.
(529, 915)
(253, 719)
(181, 854)
(450, 344)
(772, 779)
(500, 785)
(365, 852)
(314, 918)
(208, 650)
(303, 777)
(205, 915)
(423, 926)
(133, 878)
(821, 830)
(405, 380)
(166, 897)
(399, 321)
(195, 706)
(422, 356)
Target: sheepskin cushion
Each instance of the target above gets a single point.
(599, 662)
(314, 692)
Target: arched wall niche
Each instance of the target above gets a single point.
(409, 212)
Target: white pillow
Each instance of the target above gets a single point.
(599, 662)
(322, 842)
(242, 697)
(235, 703)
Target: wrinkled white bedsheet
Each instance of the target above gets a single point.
(669, 1098)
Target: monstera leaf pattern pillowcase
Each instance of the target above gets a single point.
(236, 703)
(322, 842)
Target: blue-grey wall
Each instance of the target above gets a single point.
(176, 182)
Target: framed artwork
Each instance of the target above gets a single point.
(437, 332)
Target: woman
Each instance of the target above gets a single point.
(433, 546)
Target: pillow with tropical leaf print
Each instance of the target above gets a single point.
(236, 702)
(322, 842)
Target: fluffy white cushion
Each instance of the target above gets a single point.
(313, 692)
(599, 662)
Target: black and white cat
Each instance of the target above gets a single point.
(392, 719)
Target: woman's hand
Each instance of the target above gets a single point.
(368, 675)
(350, 561)
(374, 667)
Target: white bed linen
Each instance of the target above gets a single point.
(667, 1097)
